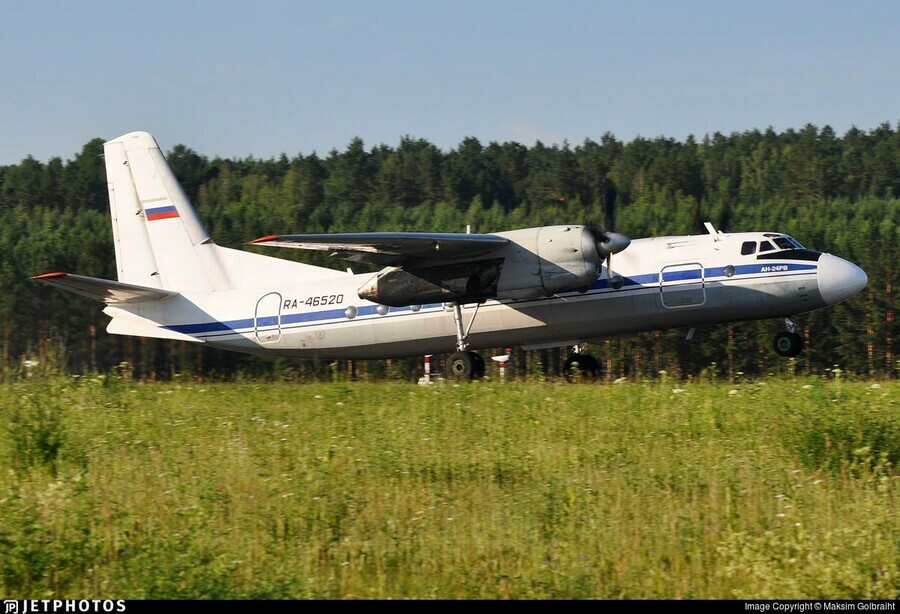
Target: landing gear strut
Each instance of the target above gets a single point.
(788, 343)
(463, 364)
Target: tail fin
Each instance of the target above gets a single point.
(163, 250)
(159, 239)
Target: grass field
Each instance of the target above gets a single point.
(778, 489)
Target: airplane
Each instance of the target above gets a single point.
(435, 293)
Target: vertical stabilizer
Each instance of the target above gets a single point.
(159, 239)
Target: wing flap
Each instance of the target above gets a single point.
(393, 248)
(104, 290)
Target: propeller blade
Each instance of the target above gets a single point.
(609, 204)
(607, 240)
(613, 242)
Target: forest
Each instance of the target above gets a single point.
(833, 193)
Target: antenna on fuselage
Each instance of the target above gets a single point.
(712, 230)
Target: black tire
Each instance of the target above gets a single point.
(581, 368)
(788, 344)
(461, 366)
(478, 365)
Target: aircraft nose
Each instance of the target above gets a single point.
(839, 279)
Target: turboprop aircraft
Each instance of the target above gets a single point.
(435, 293)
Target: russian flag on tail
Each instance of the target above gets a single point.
(161, 213)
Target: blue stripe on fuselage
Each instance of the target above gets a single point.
(636, 282)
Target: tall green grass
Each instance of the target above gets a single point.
(779, 488)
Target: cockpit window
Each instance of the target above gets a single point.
(765, 246)
(748, 247)
(795, 242)
(783, 243)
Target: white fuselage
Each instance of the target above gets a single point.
(669, 282)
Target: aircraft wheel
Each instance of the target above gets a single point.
(788, 344)
(478, 366)
(461, 365)
(581, 368)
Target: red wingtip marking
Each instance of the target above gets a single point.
(50, 275)
(265, 239)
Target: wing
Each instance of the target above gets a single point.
(104, 290)
(393, 248)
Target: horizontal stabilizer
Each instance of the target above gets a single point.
(393, 248)
(105, 290)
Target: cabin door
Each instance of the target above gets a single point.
(267, 320)
(682, 285)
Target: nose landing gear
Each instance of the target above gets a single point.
(788, 343)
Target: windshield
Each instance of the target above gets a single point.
(775, 243)
(783, 243)
(787, 242)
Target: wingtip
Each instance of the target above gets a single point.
(55, 275)
(264, 239)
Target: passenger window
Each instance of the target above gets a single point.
(765, 246)
(748, 247)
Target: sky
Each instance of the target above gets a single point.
(269, 77)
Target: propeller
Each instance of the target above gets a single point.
(609, 241)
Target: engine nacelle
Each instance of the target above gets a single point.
(536, 262)
(549, 259)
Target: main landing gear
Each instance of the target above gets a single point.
(580, 367)
(788, 343)
(464, 364)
